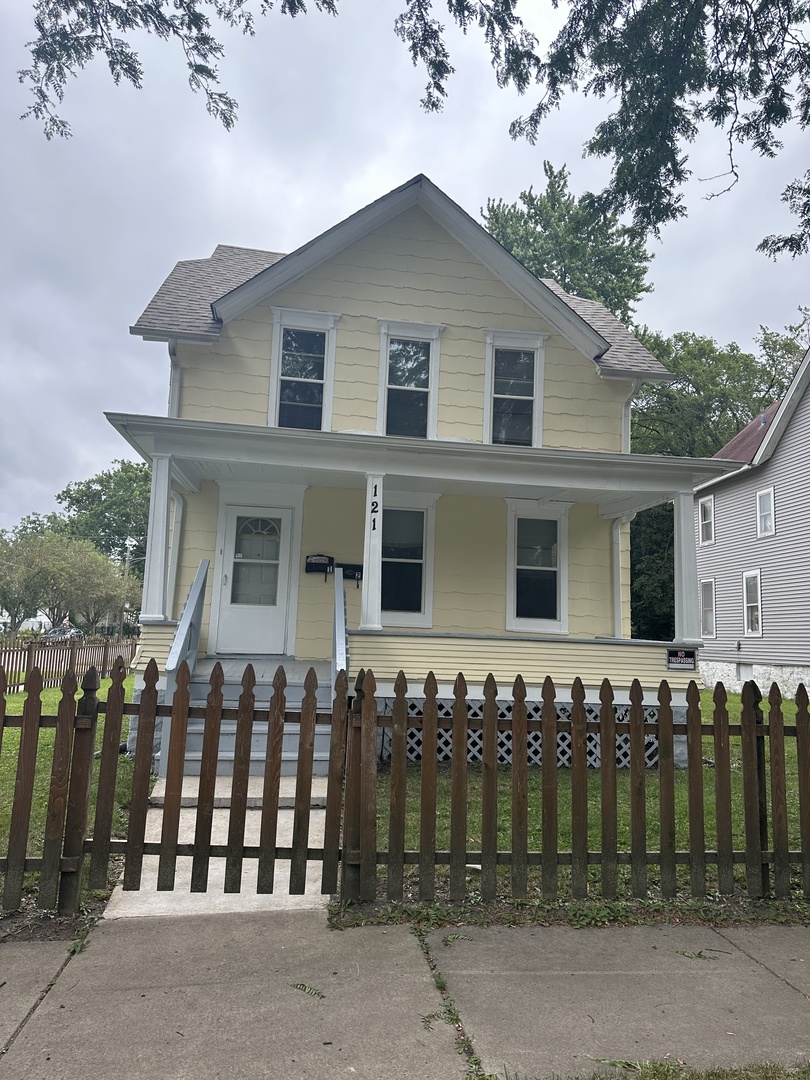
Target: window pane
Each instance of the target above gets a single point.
(512, 421)
(707, 608)
(409, 363)
(514, 373)
(403, 534)
(301, 393)
(299, 416)
(536, 594)
(751, 590)
(407, 413)
(302, 354)
(536, 542)
(254, 583)
(706, 509)
(765, 506)
(257, 538)
(402, 586)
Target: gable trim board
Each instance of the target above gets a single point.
(551, 303)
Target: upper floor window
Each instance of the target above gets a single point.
(409, 375)
(302, 374)
(513, 408)
(707, 614)
(706, 520)
(537, 585)
(752, 604)
(766, 522)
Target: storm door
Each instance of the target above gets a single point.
(254, 590)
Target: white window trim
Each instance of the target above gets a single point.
(549, 511)
(291, 319)
(708, 581)
(767, 491)
(402, 500)
(513, 339)
(707, 500)
(752, 574)
(430, 332)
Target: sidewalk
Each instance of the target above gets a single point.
(214, 996)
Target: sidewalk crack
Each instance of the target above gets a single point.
(761, 964)
(4, 1049)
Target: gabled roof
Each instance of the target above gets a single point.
(744, 445)
(200, 295)
(757, 441)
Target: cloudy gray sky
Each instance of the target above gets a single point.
(329, 120)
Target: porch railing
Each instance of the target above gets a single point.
(187, 636)
(340, 637)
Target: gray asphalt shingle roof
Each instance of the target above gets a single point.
(182, 306)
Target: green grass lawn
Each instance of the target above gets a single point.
(8, 769)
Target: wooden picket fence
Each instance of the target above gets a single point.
(55, 658)
(351, 856)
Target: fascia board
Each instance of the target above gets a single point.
(509, 270)
(634, 373)
(306, 258)
(738, 471)
(785, 411)
(335, 451)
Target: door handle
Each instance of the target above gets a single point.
(224, 579)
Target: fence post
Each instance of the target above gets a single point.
(105, 659)
(350, 860)
(72, 655)
(81, 769)
(762, 791)
(30, 658)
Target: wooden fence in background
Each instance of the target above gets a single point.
(55, 658)
(351, 856)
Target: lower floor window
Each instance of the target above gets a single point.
(536, 592)
(707, 608)
(752, 606)
(403, 560)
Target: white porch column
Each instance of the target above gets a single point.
(156, 567)
(687, 610)
(371, 605)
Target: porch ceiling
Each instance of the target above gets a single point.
(618, 483)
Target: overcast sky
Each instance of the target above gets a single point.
(329, 120)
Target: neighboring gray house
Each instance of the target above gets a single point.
(753, 551)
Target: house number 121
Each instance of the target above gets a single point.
(375, 509)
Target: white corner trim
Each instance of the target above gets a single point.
(627, 415)
(291, 318)
(548, 511)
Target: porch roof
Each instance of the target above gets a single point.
(619, 484)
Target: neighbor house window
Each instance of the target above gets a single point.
(537, 592)
(707, 608)
(407, 560)
(706, 520)
(766, 524)
(409, 366)
(513, 412)
(302, 369)
(752, 604)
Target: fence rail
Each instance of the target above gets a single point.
(502, 830)
(55, 658)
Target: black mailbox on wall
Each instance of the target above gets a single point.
(320, 564)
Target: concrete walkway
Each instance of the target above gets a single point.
(243, 996)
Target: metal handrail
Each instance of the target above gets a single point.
(340, 645)
(187, 635)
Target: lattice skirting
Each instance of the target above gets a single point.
(535, 739)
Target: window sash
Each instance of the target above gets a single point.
(536, 569)
(706, 519)
(765, 513)
(301, 380)
(403, 561)
(513, 396)
(707, 610)
(408, 392)
(752, 603)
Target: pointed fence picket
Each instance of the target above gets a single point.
(773, 799)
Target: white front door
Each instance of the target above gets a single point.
(254, 589)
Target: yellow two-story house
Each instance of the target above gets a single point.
(402, 398)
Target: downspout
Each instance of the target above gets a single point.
(174, 379)
(626, 413)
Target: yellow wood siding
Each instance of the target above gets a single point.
(415, 654)
(199, 537)
(408, 270)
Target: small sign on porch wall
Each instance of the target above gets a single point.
(681, 660)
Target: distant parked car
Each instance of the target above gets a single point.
(63, 633)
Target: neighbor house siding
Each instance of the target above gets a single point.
(783, 559)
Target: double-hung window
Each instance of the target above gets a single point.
(766, 522)
(303, 365)
(407, 561)
(706, 520)
(707, 614)
(409, 366)
(752, 604)
(513, 411)
(537, 585)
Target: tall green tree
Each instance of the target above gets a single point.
(585, 248)
(20, 579)
(111, 510)
(668, 70)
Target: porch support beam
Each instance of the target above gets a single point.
(687, 613)
(156, 568)
(371, 605)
